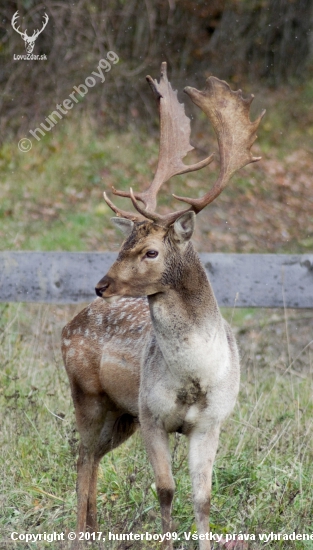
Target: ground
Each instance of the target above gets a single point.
(263, 473)
(51, 199)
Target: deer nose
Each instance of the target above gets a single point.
(103, 285)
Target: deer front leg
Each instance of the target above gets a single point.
(86, 476)
(202, 451)
(91, 517)
(157, 446)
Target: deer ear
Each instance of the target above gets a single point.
(126, 226)
(184, 227)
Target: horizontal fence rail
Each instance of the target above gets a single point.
(241, 280)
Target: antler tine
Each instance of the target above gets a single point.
(228, 112)
(165, 219)
(39, 31)
(174, 144)
(121, 213)
(13, 22)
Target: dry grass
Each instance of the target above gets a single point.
(264, 469)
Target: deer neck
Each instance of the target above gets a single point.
(187, 302)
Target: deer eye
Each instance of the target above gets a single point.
(152, 254)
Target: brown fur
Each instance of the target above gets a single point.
(153, 361)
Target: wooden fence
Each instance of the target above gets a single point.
(244, 280)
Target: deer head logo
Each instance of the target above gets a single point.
(29, 40)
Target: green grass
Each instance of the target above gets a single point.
(52, 197)
(288, 123)
(263, 473)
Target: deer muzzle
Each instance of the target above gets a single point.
(106, 284)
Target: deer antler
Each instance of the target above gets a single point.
(228, 112)
(174, 146)
(37, 33)
(13, 22)
(24, 34)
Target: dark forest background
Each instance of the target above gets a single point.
(51, 196)
(243, 41)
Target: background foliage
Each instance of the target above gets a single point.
(51, 197)
(269, 41)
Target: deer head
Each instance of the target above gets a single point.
(153, 238)
(150, 260)
(29, 40)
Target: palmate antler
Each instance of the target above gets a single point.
(174, 142)
(228, 112)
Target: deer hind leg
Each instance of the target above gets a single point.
(157, 446)
(91, 412)
(202, 451)
(101, 430)
(117, 428)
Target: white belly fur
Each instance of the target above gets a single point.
(206, 362)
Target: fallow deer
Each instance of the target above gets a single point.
(153, 350)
